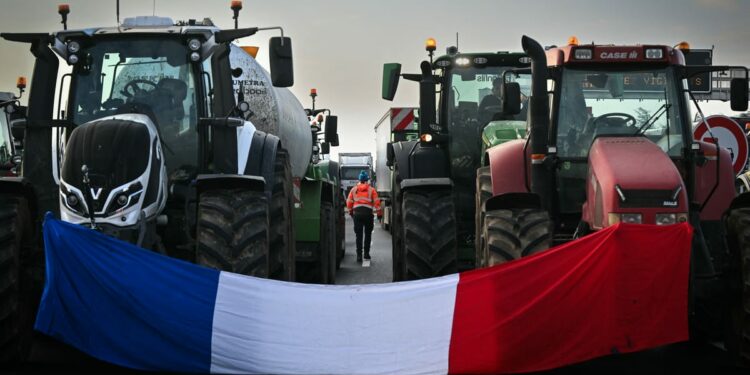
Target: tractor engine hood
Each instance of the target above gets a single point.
(123, 158)
(631, 175)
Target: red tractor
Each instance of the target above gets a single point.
(610, 140)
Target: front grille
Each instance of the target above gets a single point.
(648, 198)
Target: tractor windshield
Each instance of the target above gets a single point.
(595, 103)
(150, 76)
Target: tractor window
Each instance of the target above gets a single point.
(150, 76)
(473, 105)
(6, 143)
(351, 173)
(474, 99)
(595, 103)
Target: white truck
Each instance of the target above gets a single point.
(398, 123)
(350, 165)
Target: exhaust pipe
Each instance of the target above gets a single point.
(538, 121)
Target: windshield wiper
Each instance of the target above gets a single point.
(655, 117)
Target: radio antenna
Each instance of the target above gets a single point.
(118, 12)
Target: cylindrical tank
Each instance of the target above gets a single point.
(275, 110)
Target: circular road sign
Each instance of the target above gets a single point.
(729, 135)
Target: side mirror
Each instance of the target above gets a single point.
(280, 51)
(511, 92)
(391, 74)
(331, 133)
(18, 128)
(390, 154)
(325, 148)
(738, 94)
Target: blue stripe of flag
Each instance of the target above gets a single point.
(88, 301)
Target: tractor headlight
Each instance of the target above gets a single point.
(669, 219)
(628, 218)
(194, 44)
(72, 200)
(74, 47)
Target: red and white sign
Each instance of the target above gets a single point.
(729, 135)
(401, 119)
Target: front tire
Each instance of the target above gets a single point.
(515, 233)
(738, 340)
(232, 232)
(16, 306)
(429, 222)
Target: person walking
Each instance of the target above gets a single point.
(361, 203)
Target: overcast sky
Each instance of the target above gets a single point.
(340, 45)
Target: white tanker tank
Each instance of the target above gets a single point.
(275, 110)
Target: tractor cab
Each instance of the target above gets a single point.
(134, 114)
(471, 99)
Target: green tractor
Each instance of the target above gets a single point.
(433, 196)
(319, 211)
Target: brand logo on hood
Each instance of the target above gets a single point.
(619, 55)
(95, 193)
(669, 203)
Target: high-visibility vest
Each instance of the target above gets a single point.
(363, 195)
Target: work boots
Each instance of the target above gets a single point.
(359, 257)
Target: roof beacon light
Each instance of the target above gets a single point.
(682, 45)
(21, 83)
(236, 6)
(64, 10)
(430, 45)
(313, 92)
(573, 41)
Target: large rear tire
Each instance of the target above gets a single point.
(397, 241)
(483, 193)
(738, 340)
(282, 246)
(429, 222)
(16, 306)
(340, 229)
(232, 233)
(516, 233)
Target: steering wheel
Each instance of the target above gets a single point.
(136, 90)
(628, 120)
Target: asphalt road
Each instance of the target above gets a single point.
(380, 270)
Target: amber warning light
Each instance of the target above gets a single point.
(21, 83)
(430, 44)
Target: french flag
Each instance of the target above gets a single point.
(622, 289)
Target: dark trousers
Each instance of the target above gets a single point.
(363, 224)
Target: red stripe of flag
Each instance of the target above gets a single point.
(620, 290)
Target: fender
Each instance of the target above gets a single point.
(205, 182)
(262, 157)
(415, 161)
(513, 200)
(508, 167)
(705, 180)
(307, 215)
(422, 182)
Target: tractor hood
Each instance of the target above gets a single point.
(631, 175)
(123, 158)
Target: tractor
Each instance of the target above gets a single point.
(610, 141)
(137, 131)
(319, 213)
(433, 194)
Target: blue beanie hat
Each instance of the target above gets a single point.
(363, 176)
